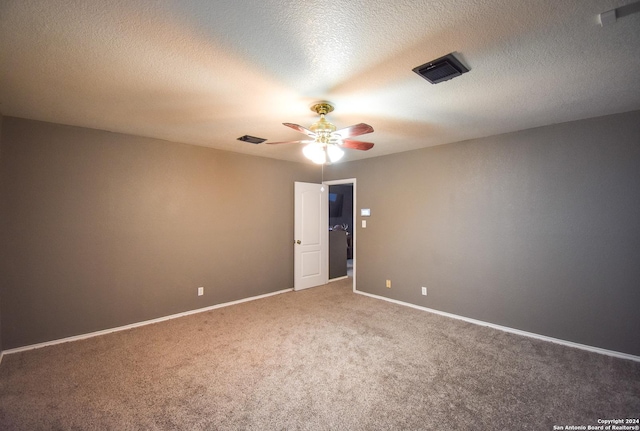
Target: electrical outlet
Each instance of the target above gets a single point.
(200, 291)
(389, 283)
(424, 291)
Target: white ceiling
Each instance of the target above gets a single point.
(208, 71)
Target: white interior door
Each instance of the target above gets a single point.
(311, 235)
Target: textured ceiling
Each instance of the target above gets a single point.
(206, 72)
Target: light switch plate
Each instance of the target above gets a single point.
(364, 223)
(365, 212)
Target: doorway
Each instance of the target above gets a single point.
(342, 229)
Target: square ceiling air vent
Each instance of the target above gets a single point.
(251, 139)
(441, 69)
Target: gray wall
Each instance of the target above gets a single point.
(537, 230)
(103, 229)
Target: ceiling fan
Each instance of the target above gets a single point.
(326, 142)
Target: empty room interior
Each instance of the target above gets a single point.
(320, 215)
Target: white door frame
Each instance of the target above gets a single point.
(354, 239)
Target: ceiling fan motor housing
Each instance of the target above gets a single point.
(323, 128)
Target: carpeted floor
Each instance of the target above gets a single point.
(319, 359)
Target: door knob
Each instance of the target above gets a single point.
(298, 242)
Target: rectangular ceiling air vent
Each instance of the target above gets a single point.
(441, 69)
(251, 139)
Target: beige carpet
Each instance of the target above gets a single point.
(320, 359)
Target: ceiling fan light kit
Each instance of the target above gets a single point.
(319, 153)
(327, 142)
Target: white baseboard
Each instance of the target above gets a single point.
(510, 330)
(138, 324)
(395, 301)
(338, 278)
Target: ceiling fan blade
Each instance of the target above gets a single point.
(300, 129)
(357, 145)
(355, 130)
(288, 142)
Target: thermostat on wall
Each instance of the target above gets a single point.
(365, 212)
